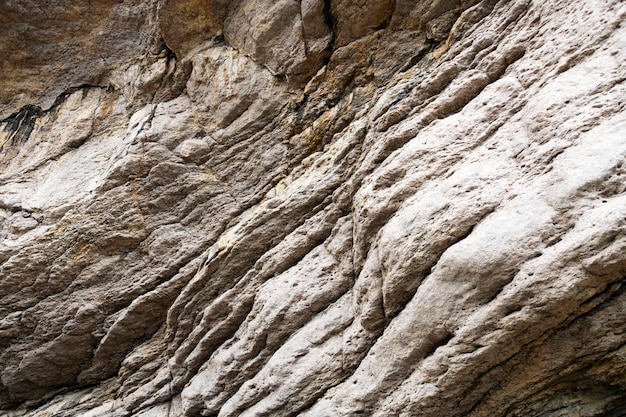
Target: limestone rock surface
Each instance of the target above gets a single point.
(313, 208)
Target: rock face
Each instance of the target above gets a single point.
(313, 208)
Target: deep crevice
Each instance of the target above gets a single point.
(331, 22)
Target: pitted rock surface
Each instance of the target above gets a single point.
(313, 208)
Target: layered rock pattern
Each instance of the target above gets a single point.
(313, 208)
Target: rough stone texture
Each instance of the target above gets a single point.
(48, 48)
(290, 38)
(188, 24)
(315, 208)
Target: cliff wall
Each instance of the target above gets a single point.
(313, 208)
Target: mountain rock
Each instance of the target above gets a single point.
(313, 208)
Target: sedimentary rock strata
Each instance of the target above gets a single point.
(312, 208)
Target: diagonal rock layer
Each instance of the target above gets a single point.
(313, 208)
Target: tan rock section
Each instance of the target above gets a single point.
(313, 208)
(49, 47)
(290, 38)
(356, 19)
(188, 24)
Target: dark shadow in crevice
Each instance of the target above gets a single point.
(20, 125)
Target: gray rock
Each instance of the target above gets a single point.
(313, 208)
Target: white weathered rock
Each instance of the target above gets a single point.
(335, 209)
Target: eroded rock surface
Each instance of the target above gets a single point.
(313, 208)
